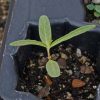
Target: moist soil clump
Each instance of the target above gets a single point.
(78, 79)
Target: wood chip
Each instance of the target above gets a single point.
(86, 69)
(62, 63)
(76, 83)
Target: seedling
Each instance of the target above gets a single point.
(95, 8)
(45, 35)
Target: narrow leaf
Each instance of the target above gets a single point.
(97, 8)
(45, 30)
(73, 33)
(90, 6)
(52, 68)
(27, 42)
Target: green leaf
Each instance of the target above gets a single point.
(27, 42)
(45, 30)
(90, 6)
(73, 33)
(97, 8)
(96, 14)
(52, 68)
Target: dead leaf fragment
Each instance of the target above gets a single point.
(47, 80)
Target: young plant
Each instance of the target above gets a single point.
(95, 8)
(45, 34)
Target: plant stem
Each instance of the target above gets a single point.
(48, 52)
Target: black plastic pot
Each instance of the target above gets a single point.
(77, 18)
(22, 23)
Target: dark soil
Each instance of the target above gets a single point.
(1, 98)
(89, 15)
(4, 6)
(78, 80)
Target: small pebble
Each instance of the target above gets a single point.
(64, 56)
(41, 67)
(78, 52)
(54, 56)
(82, 59)
(90, 96)
(39, 88)
(63, 86)
(69, 72)
(96, 1)
(22, 87)
(60, 48)
(86, 69)
(39, 83)
(41, 54)
(44, 91)
(86, 1)
(68, 50)
(69, 96)
(82, 68)
(39, 77)
(85, 91)
(94, 87)
(87, 79)
(87, 63)
(42, 61)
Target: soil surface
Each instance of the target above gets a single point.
(4, 6)
(78, 80)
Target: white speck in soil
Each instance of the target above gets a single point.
(78, 52)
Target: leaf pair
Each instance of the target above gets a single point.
(95, 7)
(45, 34)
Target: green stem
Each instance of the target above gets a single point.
(48, 52)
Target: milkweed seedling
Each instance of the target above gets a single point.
(95, 8)
(45, 35)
